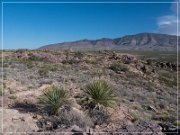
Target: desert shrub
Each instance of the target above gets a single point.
(52, 99)
(69, 117)
(101, 93)
(138, 116)
(1, 91)
(99, 116)
(98, 73)
(53, 68)
(21, 50)
(127, 62)
(12, 97)
(149, 61)
(5, 65)
(70, 61)
(177, 123)
(168, 78)
(167, 81)
(32, 57)
(44, 70)
(78, 54)
(118, 67)
(91, 61)
(165, 73)
(165, 117)
(29, 64)
(162, 104)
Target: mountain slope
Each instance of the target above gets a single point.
(142, 41)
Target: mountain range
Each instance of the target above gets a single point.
(141, 41)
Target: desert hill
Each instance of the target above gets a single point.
(142, 41)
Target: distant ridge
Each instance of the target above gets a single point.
(141, 41)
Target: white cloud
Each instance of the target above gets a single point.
(167, 20)
(167, 24)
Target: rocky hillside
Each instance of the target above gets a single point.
(142, 41)
(145, 90)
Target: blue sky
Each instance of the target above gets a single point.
(34, 25)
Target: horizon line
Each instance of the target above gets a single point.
(89, 39)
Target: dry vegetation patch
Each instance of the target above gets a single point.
(138, 89)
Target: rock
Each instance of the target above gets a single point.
(128, 116)
(167, 127)
(151, 108)
(127, 59)
(167, 65)
(14, 121)
(142, 128)
(76, 128)
(139, 65)
(97, 127)
(150, 126)
(115, 56)
(174, 67)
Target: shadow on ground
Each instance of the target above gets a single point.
(25, 107)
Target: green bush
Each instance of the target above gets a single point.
(101, 93)
(12, 97)
(52, 99)
(117, 67)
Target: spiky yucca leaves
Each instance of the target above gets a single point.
(52, 99)
(101, 93)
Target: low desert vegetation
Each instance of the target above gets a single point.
(78, 54)
(21, 50)
(44, 70)
(34, 58)
(69, 117)
(118, 67)
(99, 84)
(1, 91)
(168, 78)
(99, 116)
(101, 93)
(12, 97)
(52, 100)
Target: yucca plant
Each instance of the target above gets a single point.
(101, 93)
(52, 99)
